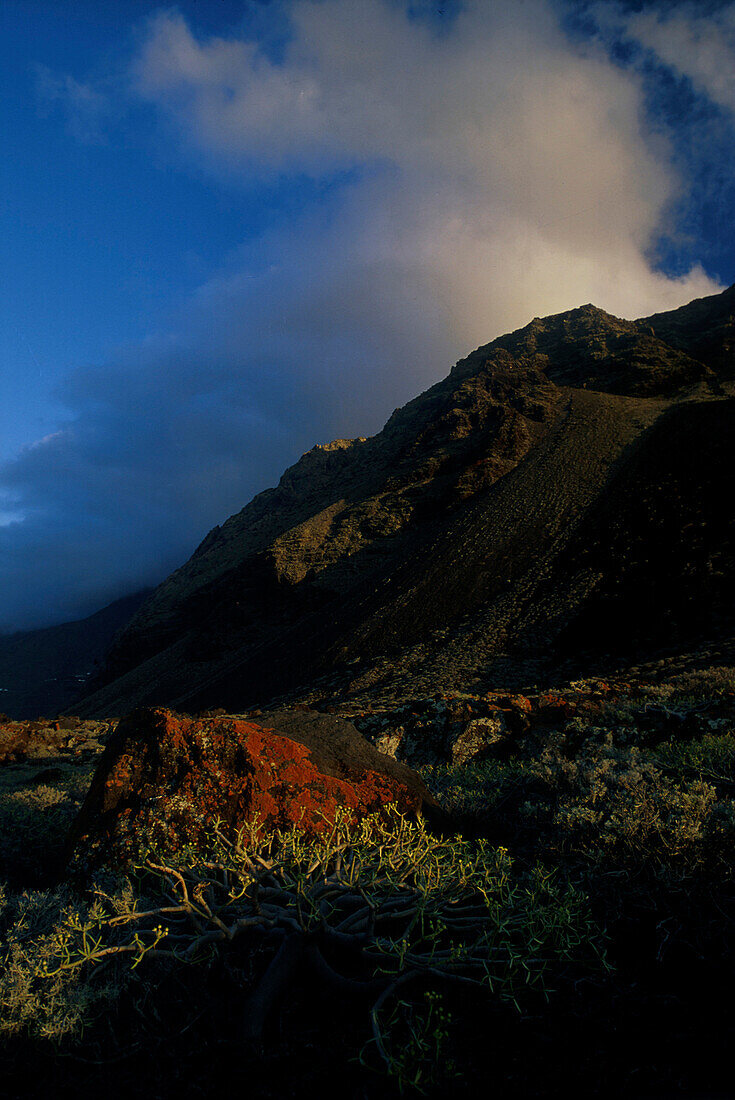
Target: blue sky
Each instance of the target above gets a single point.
(231, 230)
(101, 236)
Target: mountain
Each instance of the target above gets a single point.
(43, 671)
(564, 494)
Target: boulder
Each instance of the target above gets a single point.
(480, 739)
(165, 778)
(416, 742)
(449, 729)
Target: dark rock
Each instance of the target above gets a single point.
(48, 775)
(552, 708)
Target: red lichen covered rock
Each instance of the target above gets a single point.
(165, 778)
(551, 707)
(506, 701)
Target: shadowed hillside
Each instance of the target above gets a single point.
(43, 671)
(537, 490)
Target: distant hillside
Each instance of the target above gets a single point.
(43, 671)
(566, 489)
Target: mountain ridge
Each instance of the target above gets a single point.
(355, 550)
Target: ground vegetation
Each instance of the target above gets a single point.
(572, 936)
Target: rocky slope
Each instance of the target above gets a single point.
(565, 490)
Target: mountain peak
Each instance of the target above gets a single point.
(588, 348)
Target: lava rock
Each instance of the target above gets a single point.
(165, 778)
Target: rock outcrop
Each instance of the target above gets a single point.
(68, 739)
(165, 779)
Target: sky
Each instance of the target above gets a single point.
(232, 229)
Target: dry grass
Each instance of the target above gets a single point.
(37, 806)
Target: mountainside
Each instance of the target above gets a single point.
(566, 490)
(43, 671)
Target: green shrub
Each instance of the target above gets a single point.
(474, 789)
(590, 794)
(381, 907)
(614, 801)
(704, 683)
(417, 1041)
(711, 759)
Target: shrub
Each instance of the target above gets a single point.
(711, 759)
(34, 821)
(590, 796)
(705, 683)
(43, 993)
(381, 910)
(614, 802)
(474, 790)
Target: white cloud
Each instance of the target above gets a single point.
(696, 42)
(516, 173)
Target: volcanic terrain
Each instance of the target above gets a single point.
(559, 501)
(223, 866)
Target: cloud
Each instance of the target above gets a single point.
(86, 109)
(695, 41)
(470, 179)
(499, 138)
